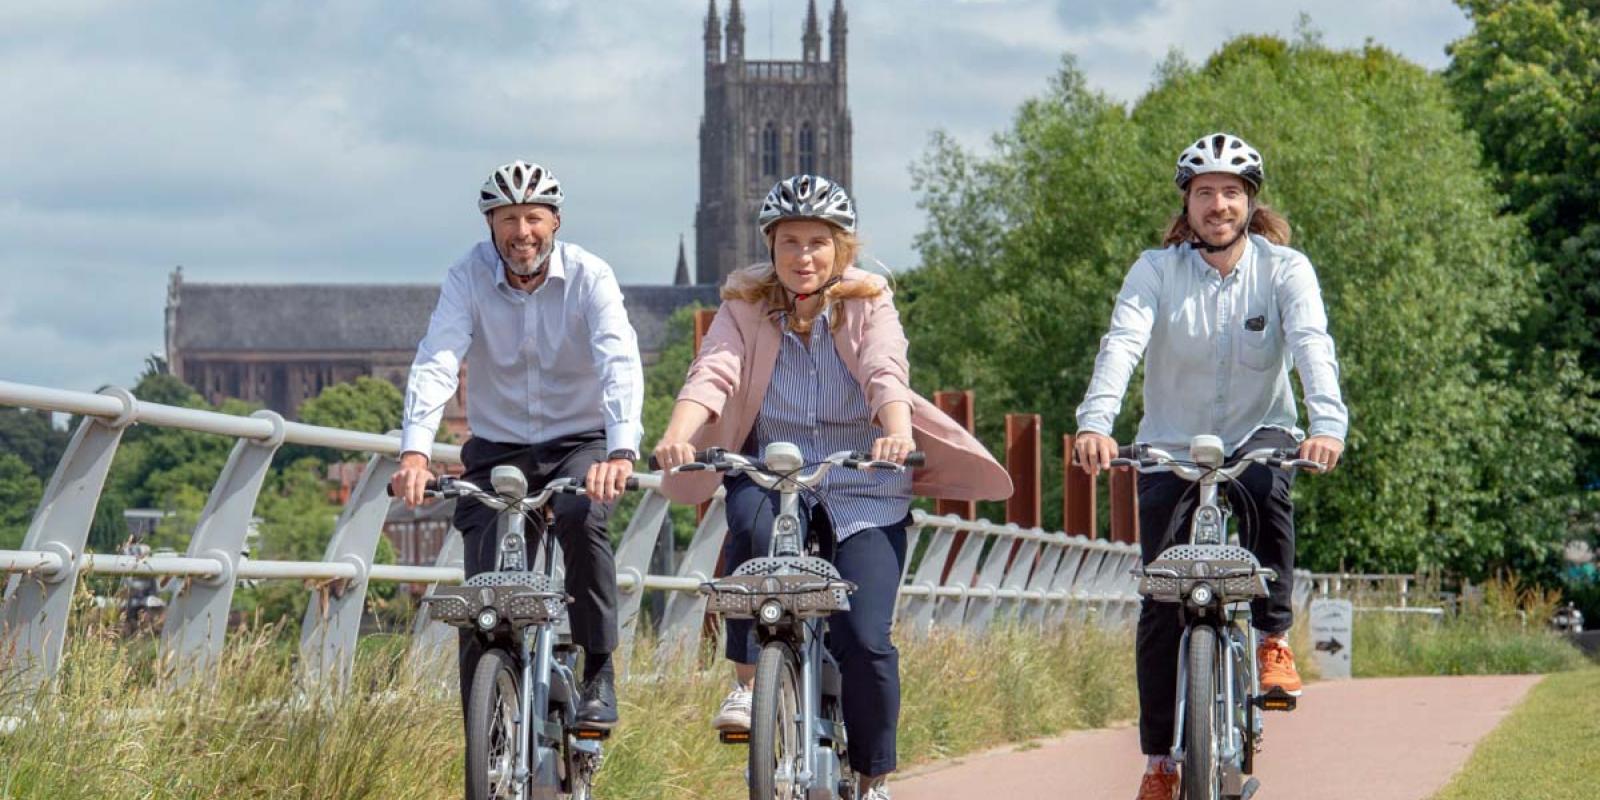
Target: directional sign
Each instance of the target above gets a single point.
(1331, 621)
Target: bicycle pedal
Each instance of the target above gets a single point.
(1249, 789)
(1275, 699)
(591, 734)
(734, 737)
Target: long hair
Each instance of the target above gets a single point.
(759, 283)
(1264, 222)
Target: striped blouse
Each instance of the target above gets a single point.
(815, 403)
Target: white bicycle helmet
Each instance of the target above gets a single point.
(1220, 152)
(519, 182)
(808, 197)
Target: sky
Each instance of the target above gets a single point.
(344, 140)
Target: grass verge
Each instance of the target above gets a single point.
(1546, 749)
(113, 728)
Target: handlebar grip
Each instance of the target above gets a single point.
(430, 486)
(916, 459)
(631, 484)
(1130, 451)
(705, 456)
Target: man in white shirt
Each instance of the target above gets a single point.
(556, 389)
(1219, 315)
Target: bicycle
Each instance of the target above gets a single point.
(798, 746)
(1218, 729)
(526, 664)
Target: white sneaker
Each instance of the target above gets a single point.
(734, 716)
(877, 792)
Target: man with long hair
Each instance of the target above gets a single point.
(1219, 313)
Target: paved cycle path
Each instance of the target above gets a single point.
(1376, 739)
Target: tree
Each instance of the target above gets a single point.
(1025, 250)
(369, 404)
(31, 437)
(1527, 79)
(20, 490)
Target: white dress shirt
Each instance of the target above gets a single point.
(558, 361)
(1219, 349)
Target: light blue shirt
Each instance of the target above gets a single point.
(1218, 350)
(558, 361)
(815, 403)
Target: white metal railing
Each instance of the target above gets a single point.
(966, 574)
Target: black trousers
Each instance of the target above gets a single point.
(1264, 512)
(869, 664)
(591, 577)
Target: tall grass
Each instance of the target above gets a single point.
(1502, 633)
(113, 727)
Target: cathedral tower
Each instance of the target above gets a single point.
(764, 121)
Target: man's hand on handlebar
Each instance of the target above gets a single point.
(607, 480)
(1324, 450)
(408, 483)
(1094, 451)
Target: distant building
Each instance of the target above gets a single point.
(763, 121)
(280, 345)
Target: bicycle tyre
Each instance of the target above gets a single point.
(774, 722)
(1202, 769)
(492, 711)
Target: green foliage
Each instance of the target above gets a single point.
(1527, 79)
(30, 436)
(369, 404)
(1462, 450)
(19, 495)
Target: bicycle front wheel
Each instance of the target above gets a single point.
(775, 748)
(1202, 765)
(492, 714)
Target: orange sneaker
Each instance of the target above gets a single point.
(1277, 667)
(1159, 786)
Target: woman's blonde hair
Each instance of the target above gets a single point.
(1264, 222)
(759, 283)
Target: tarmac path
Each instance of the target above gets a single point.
(1375, 739)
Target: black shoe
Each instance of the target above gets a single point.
(598, 708)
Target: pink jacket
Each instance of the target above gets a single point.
(731, 374)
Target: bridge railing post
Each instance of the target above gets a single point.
(197, 616)
(333, 617)
(36, 607)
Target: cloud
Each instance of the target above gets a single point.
(344, 140)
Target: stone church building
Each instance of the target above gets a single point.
(281, 344)
(764, 121)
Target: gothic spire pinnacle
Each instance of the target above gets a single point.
(682, 277)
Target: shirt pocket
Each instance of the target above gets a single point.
(1262, 349)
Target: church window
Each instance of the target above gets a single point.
(808, 149)
(769, 151)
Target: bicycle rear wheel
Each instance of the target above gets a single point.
(1202, 765)
(775, 747)
(492, 712)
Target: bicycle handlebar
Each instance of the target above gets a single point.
(712, 459)
(453, 487)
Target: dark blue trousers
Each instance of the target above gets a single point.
(869, 665)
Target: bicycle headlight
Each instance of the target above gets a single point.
(770, 612)
(488, 618)
(1201, 594)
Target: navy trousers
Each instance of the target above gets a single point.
(869, 665)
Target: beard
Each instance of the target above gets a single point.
(529, 270)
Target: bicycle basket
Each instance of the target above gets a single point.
(524, 598)
(805, 587)
(1195, 563)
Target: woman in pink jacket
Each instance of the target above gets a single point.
(809, 350)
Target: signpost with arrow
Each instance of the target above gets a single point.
(1331, 621)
